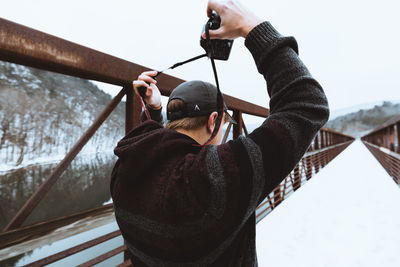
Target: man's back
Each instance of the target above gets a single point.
(172, 199)
(182, 204)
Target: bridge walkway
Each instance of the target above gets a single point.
(348, 215)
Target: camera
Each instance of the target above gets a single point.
(216, 48)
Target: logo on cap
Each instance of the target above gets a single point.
(196, 108)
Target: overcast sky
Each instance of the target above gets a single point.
(351, 47)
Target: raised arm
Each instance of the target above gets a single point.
(298, 105)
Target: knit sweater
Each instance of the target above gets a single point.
(180, 204)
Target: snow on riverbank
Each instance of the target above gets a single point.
(47, 160)
(347, 215)
(37, 161)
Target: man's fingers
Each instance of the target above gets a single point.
(213, 5)
(150, 73)
(215, 34)
(137, 84)
(149, 91)
(146, 78)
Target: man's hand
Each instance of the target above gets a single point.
(153, 95)
(236, 20)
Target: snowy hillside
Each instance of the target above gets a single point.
(43, 114)
(361, 121)
(344, 111)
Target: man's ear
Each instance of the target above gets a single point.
(211, 121)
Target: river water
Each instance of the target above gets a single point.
(83, 185)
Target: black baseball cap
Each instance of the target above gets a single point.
(199, 98)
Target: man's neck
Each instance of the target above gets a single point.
(200, 136)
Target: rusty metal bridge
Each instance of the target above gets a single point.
(29, 47)
(384, 144)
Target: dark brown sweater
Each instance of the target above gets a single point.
(183, 205)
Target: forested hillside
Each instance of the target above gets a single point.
(363, 121)
(43, 114)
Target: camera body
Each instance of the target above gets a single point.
(216, 48)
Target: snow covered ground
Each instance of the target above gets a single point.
(347, 215)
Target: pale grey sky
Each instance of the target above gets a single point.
(351, 47)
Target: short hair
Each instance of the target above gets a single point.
(188, 123)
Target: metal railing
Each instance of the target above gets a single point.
(314, 160)
(22, 45)
(324, 148)
(384, 144)
(26, 46)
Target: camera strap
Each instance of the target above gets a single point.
(142, 89)
(220, 102)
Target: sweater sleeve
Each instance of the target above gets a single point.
(298, 109)
(154, 114)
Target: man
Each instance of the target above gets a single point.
(181, 203)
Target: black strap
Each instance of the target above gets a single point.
(220, 102)
(187, 61)
(142, 89)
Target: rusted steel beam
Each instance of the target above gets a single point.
(244, 126)
(237, 128)
(277, 195)
(129, 115)
(137, 110)
(68, 252)
(26, 46)
(389, 160)
(23, 45)
(17, 236)
(391, 137)
(336, 133)
(398, 137)
(34, 200)
(316, 142)
(126, 255)
(387, 136)
(104, 256)
(234, 103)
(132, 110)
(308, 167)
(296, 177)
(226, 133)
(391, 121)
